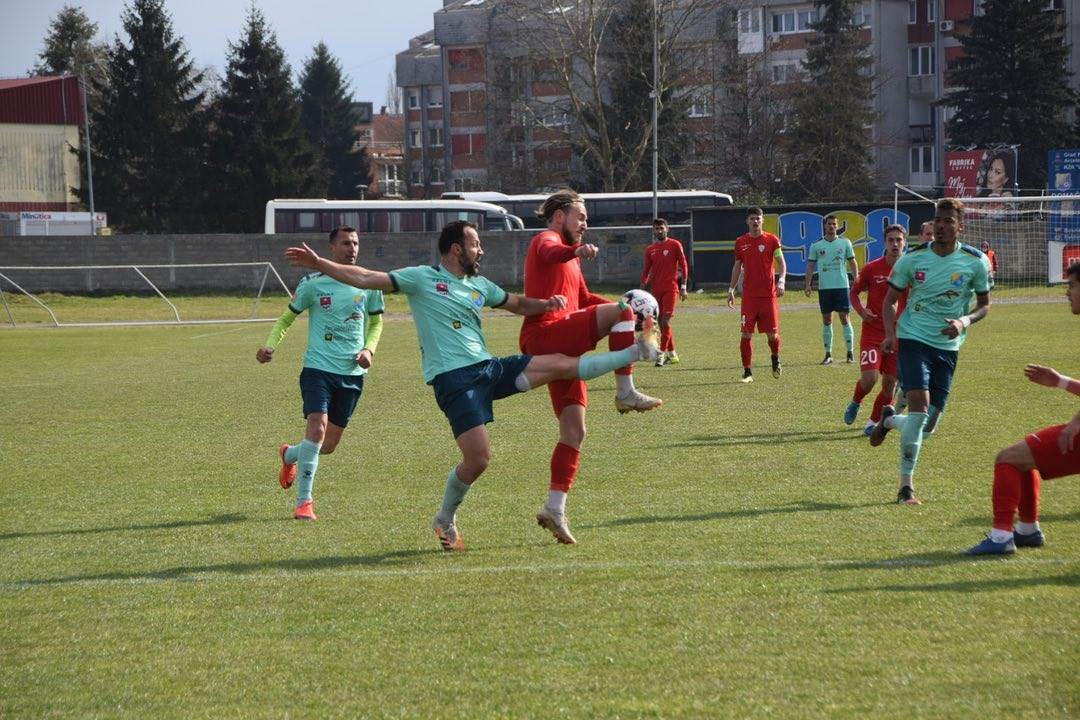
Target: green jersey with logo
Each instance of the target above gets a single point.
(942, 289)
(446, 311)
(337, 322)
(830, 258)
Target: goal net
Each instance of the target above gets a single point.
(118, 295)
(1034, 239)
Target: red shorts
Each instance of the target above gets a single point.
(574, 334)
(871, 357)
(1049, 459)
(763, 312)
(667, 300)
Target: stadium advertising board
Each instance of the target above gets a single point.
(983, 172)
(1063, 232)
(714, 231)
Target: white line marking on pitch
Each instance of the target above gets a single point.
(219, 332)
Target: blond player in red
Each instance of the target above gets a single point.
(554, 261)
(665, 275)
(755, 255)
(873, 279)
(1049, 453)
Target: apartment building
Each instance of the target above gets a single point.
(382, 134)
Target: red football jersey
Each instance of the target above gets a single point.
(551, 268)
(665, 263)
(873, 279)
(756, 256)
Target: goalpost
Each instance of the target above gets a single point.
(1035, 239)
(140, 279)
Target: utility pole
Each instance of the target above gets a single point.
(655, 94)
(89, 161)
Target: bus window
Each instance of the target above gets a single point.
(306, 221)
(410, 220)
(617, 212)
(380, 221)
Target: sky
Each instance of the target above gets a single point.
(364, 35)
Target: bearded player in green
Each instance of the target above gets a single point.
(834, 258)
(344, 325)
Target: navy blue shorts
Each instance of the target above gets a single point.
(924, 367)
(833, 300)
(330, 393)
(465, 395)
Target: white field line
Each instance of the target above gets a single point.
(211, 575)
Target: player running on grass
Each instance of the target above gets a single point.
(1049, 453)
(834, 258)
(553, 267)
(665, 275)
(755, 255)
(942, 277)
(446, 300)
(874, 281)
(344, 325)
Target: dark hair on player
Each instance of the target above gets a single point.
(896, 227)
(754, 211)
(659, 221)
(950, 203)
(559, 200)
(828, 218)
(339, 231)
(1074, 271)
(453, 234)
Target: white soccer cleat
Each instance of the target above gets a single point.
(555, 522)
(636, 401)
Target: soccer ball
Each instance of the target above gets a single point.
(643, 304)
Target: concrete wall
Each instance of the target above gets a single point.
(620, 261)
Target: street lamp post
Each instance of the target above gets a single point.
(655, 110)
(361, 189)
(89, 160)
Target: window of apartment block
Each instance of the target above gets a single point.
(701, 106)
(749, 21)
(436, 173)
(931, 10)
(555, 119)
(912, 11)
(922, 158)
(414, 138)
(460, 101)
(414, 99)
(434, 97)
(803, 19)
(920, 60)
(463, 184)
(785, 72)
(435, 135)
(468, 144)
(783, 22)
(416, 176)
(864, 16)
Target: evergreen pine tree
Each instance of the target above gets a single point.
(832, 109)
(329, 123)
(259, 151)
(70, 44)
(1012, 85)
(147, 124)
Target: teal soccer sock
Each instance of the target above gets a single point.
(453, 495)
(308, 461)
(849, 337)
(594, 365)
(292, 454)
(911, 436)
(826, 337)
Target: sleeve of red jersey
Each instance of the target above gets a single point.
(551, 250)
(683, 267)
(856, 288)
(588, 298)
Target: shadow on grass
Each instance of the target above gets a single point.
(797, 507)
(212, 520)
(984, 520)
(967, 586)
(778, 438)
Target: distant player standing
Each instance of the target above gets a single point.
(1049, 453)
(873, 279)
(942, 278)
(446, 300)
(834, 258)
(344, 325)
(665, 275)
(755, 255)
(553, 267)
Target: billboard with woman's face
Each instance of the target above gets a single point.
(981, 173)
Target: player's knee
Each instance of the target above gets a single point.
(328, 447)
(573, 435)
(478, 461)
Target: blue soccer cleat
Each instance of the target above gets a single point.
(851, 413)
(989, 547)
(1030, 540)
(869, 429)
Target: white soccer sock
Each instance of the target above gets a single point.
(556, 501)
(1000, 536)
(522, 383)
(624, 385)
(1025, 528)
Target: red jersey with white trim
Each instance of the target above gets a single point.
(552, 268)
(873, 279)
(756, 255)
(665, 263)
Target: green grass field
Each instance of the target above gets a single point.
(739, 551)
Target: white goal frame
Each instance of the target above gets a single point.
(138, 270)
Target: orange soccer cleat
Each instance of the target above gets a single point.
(305, 511)
(287, 474)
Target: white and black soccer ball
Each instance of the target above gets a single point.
(643, 304)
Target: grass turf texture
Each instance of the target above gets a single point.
(739, 551)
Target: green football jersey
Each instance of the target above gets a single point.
(830, 258)
(337, 322)
(446, 311)
(942, 289)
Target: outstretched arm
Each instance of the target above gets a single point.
(355, 275)
(521, 305)
(1051, 378)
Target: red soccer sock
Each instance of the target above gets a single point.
(564, 467)
(665, 339)
(879, 402)
(1029, 496)
(1006, 495)
(859, 393)
(746, 349)
(623, 339)
(774, 344)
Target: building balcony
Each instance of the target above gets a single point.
(921, 86)
(921, 134)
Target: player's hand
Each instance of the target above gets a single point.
(780, 289)
(1042, 375)
(364, 358)
(731, 298)
(587, 251)
(556, 302)
(868, 314)
(808, 290)
(953, 329)
(303, 256)
(682, 292)
(888, 345)
(264, 354)
(1067, 440)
